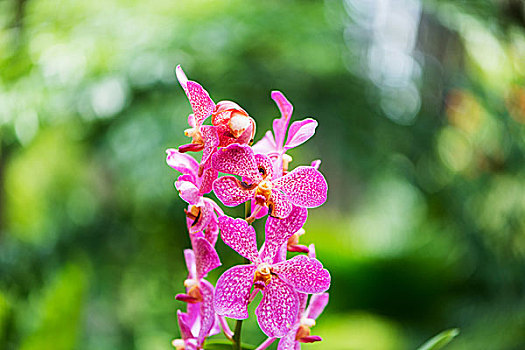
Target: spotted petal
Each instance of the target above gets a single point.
(207, 313)
(305, 187)
(278, 308)
(189, 258)
(305, 274)
(185, 328)
(188, 191)
(288, 342)
(317, 305)
(230, 192)
(280, 204)
(208, 177)
(264, 165)
(278, 231)
(237, 160)
(206, 258)
(232, 291)
(240, 236)
(201, 103)
(300, 131)
(211, 142)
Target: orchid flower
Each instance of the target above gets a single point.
(273, 145)
(201, 211)
(200, 319)
(279, 282)
(231, 123)
(304, 186)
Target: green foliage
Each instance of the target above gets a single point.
(439, 341)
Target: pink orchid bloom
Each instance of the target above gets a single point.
(274, 146)
(279, 282)
(201, 318)
(202, 212)
(231, 123)
(304, 186)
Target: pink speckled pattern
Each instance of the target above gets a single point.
(278, 308)
(280, 204)
(206, 258)
(211, 142)
(317, 304)
(201, 103)
(288, 342)
(232, 291)
(280, 125)
(189, 258)
(300, 132)
(240, 236)
(237, 160)
(305, 274)
(188, 191)
(278, 231)
(185, 328)
(265, 166)
(207, 313)
(305, 186)
(208, 177)
(229, 192)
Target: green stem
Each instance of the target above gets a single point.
(236, 344)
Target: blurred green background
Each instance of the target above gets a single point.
(421, 110)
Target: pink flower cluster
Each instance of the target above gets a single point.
(259, 176)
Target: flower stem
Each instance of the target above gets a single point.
(265, 344)
(237, 335)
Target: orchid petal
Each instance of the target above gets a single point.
(237, 160)
(305, 274)
(310, 339)
(207, 313)
(240, 236)
(189, 258)
(182, 162)
(279, 204)
(266, 144)
(230, 192)
(305, 187)
(288, 342)
(211, 142)
(188, 191)
(317, 304)
(207, 179)
(278, 308)
(315, 164)
(278, 231)
(206, 258)
(201, 103)
(280, 125)
(300, 131)
(264, 165)
(232, 291)
(185, 329)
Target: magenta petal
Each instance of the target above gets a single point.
(188, 191)
(305, 187)
(264, 165)
(206, 258)
(185, 328)
(232, 291)
(207, 312)
(280, 204)
(278, 308)
(240, 236)
(310, 339)
(317, 305)
(300, 131)
(305, 274)
(298, 248)
(237, 160)
(211, 142)
(189, 257)
(265, 145)
(182, 162)
(181, 77)
(288, 342)
(208, 177)
(201, 103)
(278, 231)
(229, 192)
(315, 164)
(280, 125)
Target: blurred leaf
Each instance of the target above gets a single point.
(440, 340)
(224, 344)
